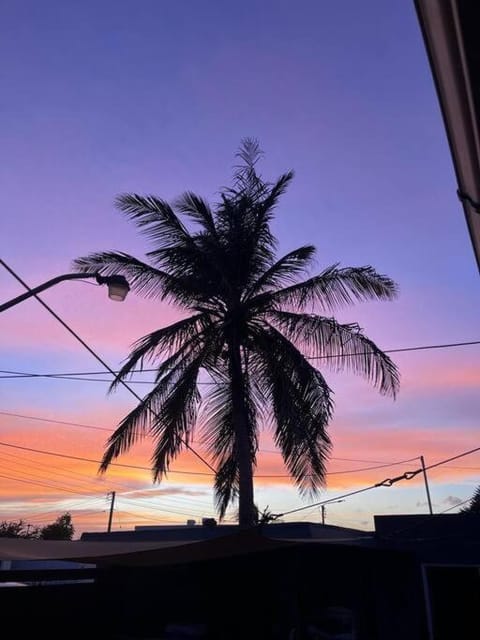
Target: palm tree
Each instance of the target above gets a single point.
(474, 504)
(253, 327)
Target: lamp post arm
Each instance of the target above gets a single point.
(45, 285)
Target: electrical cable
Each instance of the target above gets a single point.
(80, 458)
(78, 375)
(194, 473)
(96, 356)
(388, 482)
(89, 426)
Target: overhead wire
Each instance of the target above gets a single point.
(82, 484)
(15, 375)
(154, 508)
(194, 473)
(455, 506)
(388, 482)
(69, 490)
(96, 356)
(79, 375)
(81, 458)
(41, 484)
(89, 426)
(110, 370)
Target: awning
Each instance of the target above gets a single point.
(137, 553)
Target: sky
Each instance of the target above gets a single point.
(101, 98)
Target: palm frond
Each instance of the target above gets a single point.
(332, 289)
(154, 217)
(168, 409)
(134, 426)
(175, 248)
(243, 222)
(226, 487)
(172, 343)
(175, 421)
(302, 407)
(189, 265)
(264, 241)
(220, 439)
(143, 279)
(197, 209)
(284, 271)
(246, 181)
(340, 347)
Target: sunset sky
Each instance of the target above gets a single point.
(100, 98)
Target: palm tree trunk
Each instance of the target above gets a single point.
(246, 505)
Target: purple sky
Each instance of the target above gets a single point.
(104, 97)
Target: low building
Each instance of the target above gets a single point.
(415, 577)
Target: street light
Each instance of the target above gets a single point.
(118, 287)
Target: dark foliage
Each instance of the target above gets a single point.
(255, 320)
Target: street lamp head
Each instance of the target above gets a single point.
(118, 286)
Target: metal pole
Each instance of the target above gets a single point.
(426, 485)
(110, 515)
(323, 514)
(42, 287)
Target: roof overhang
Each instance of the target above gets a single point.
(450, 33)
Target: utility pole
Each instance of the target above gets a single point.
(323, 514)
(110, 515)
(426, 485)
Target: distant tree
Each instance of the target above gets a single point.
(474, 504)
(61, 529)
(18, 529)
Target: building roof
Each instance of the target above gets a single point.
(134, 552)
(282, 530)
(443, 538)
(450, 33)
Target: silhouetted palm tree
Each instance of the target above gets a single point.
(252, 328)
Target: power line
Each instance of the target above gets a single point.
(336, 473)
(422, 347)
(317, 504)
(70, 424)
(460, 455)
(42, 515)
(39, 518)
(460, 504)
(89, 426)
(15, 375)
(115, 464)
(96, 356)
(125, 494)
(89, 480)
(17, 468)
(388, 482)
(194, 473)
(64, 489)
(134, 502)
(79, 375)
(137, 515)
(466, 468)
(43, 484)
